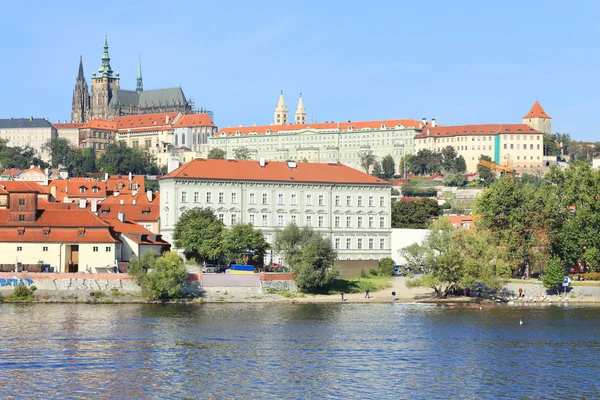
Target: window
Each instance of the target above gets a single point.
(280, 199)
(381, 201)
(337, 200)
(95, 249)
(348, 201)
(321, 200)
(265, 198)
(512, 146)
(21, 217)
(19, 248)
(348, 222)
(337, 243)
(530, 146)
(252, 218)
(252, 198)
(337, 221)
(370, 244)
(359, 222)
(538, 146)
(264, 220)
(221, 217)
(321, 221)
(309, 199)
(209, 197)
(45, 248)
(370, 201)
(359, 201)
(220, 197)
(21, 201)
(381, 244)
(348, 243)
(309, 220)
(294, 218)
(280, 220)
(108, 249)
(184, 197)
(504, 146)
(370, 222)
(234, 198)
(359, 243)
(382, 222)
(294, 199)
(95, 189)
(196, 197)
(233, 219)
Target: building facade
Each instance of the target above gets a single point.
(347, 206)
(31, 132)
(69, 131)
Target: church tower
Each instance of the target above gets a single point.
(300, 112)
(104, 85)
(538, 119)
(81, 97)
(139, 87)
(281, 112)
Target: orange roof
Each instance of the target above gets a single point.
(35, 234)
(67, 125)
(45, 205)
(486, 129)
(242, 170)
(191, 120)
(537, 111)
(99, 124)
(162, 120)
(136, 232)
(337, 126)
(459, 219)
(74, 186)
(137, 183)
(34, 169)
(139, 212)
(12, 172)
(128, 198)
(22, 186)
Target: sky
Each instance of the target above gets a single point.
(460, 62)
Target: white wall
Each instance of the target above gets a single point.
(403, 238)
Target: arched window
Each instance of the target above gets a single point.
(182, 138)
(176, 140)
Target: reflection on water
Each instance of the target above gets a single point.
(297, 351)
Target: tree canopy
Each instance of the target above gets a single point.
(415, 214)
(216, 154)
(242, 243)
(18, 157)
(118, 159)
(388, 167)
(199, 233)
(367, 159)
(241, 153)
(59, 148)
(159, 277)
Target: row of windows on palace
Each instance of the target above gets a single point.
(370, 244)
(484, 138)
(506, 147)
(95, 249)
(319, 222)
(370, 200)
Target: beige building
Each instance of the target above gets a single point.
(32, 132)
(69, 131)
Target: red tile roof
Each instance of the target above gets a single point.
(34, 169)
(459, 220)
(486, 129)
(238, 170)
(20, 186)
(12, 172)
(537, 111)
(137, 213)
(67, 125)
(140, 198)
(74, 186)
(191, 120)
(145, 121)
(56, 235)
(337, 126)
(112, 184)
(136, 232)
(100, 124)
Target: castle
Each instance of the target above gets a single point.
(107, 100)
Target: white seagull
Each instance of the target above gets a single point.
(520, 321)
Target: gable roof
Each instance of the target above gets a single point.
(74, 185)
(112, 184)
(242, 170)
(137, 233)
(537, 111)
(23, 186)
(124, 98)
(485, 129)
(162, 97)
(191, 120)
(145, 121)
(11, 123)
(68, 125)
(99, 124)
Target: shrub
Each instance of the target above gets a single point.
(386, 266)
(373, 272)
(22, 292)
(164, 281)
(364, 274)
(97, 294)
(33, 288)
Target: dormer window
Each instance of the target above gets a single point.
(383, 126)
(95, 189)
(120, 186)
(80, 232)
(46, 231)
(82, 189)
(20, 231)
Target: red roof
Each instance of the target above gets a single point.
(486, 129)
(537, 111)
(67, 125)
(154, 121)
(337, 126)
(128, 198)
(99, 124)
(74, 186)
(12, 172)
(137, 213)
(35, 234)
(22, 186)
(137, 183)
(459, 220)
(191, 120)
(136, 232)
(242, 170)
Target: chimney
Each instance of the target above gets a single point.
(130, 176)
(94, 206)
(82, 203)
(433, 122)
(105, 176)
(121, 202)
(53, 191)
(167, 119)
(149, 195)
(116, 194)
(424, 121)
(30, 119)
(134, 193)
(262, 162)
(134, 202)
(121, 217)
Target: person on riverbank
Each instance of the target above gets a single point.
(367, 294)
(342, 296)
(393, 296)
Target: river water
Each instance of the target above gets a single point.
(292, 351)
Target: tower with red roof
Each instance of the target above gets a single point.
(538, 119)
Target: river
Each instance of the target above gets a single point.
(292, 351)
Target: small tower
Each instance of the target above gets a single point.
(300, 112)
(81, 97)
(139, 87)
(538, 119)
(104, 84)
(281, 112)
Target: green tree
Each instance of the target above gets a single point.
(388, 166)
(165, 279)
(138, 268)
(58, 148)
(554, 274)
(119, 159)
(449, 156)
(486, 175)
(367, 159)
(216, 154)
(425, 162)
(461, 164)
(415, 214)
(199, 233)
(241, 242)
(241, 153)
(386, 266)
(89, 160)
(457, 180)
(377, 172)
(309, 255)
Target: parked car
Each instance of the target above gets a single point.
(211, 268)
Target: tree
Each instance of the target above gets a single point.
(424, 162)
(461, 165)
(241, 153)
(165, 279)
(377, 172)
(310, 256)
(449, 156)
(415, 214)
(138, 268)
(89, 160)
(119, 159)
(199, 232)
(388, 165)
(241, 242)
(216, 154)
(18, 157)
(457, 180)
(58, 148)
(486, 175)
(386, 266)
(554, 274)
(367, 159)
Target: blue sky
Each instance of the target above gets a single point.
(457, 61)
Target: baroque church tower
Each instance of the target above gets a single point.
(280, 116)
(104, 85)
(300, 112)
(81, 97)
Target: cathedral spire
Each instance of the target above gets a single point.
(80, 74)
(139, 85)
(281, 112)
(105, 71)
(300, 112)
